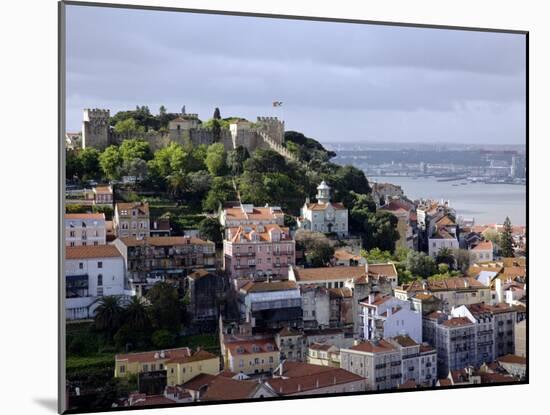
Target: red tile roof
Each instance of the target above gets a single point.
(312, 381)
(483, 246)
(252, 346)
(256, 287)
(457, 322)
(371, 347)
(512, 358)
(150, 355)
(85, 216)
(91, 251)
(224, 388)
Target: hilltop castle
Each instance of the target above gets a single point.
(265, 133)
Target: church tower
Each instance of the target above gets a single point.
(323, 193)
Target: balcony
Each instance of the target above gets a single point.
(244, 254)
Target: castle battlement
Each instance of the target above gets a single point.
(97, 112)
(268, 119)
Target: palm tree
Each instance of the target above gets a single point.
(136, 314)
(108, 316)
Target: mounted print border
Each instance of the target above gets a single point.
(212, 259)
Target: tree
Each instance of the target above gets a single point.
(217, 115)
(111, 162)
(507, 239)
(136, 316)
(215, 159)
(420, 264)
(462, 257)
(177, 184)
(445, 256)
(376, 256)
(220, 192)
(163, 339)
(319, 253)
(128, 128)
(108, 316)
(210, 228)
(89, 162)
(165, 310)
(265, 161)
(135, 149)
(236, 159)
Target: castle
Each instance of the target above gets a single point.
(265, 133)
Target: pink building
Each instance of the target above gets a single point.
(258, 250)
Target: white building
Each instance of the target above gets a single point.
(83, 229)
(384, 316)
(481, 252)
(324, 216)
(91, 272)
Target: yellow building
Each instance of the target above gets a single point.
(323, 355)
(251, 356)
(180, 364)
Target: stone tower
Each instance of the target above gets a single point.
(274, 128)
(323, 193)
(95, 128)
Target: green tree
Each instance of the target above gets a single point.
(110, 161)
(108, 316)
(236, 159)
(210, 228)
(221, 191)
(215, 159)
(319, 253)
(420, 264)
(265, 161)
(445, 256)
(507, 239)
(376, 256)
(165, 309)
(163, 339)
(135, 149)
(128, 128)
(89, 163)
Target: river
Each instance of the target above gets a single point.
(486, 203)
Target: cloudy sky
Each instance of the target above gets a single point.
(339, 82)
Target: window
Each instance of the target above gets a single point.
(145, 368)
(81, 265)
(71, 234)
(72, 243)
(122, 369)
(99, 280)
(153, 366)
(161, 366)
(100, 264)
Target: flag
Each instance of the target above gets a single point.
(277, 103)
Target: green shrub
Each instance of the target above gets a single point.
(163, 339)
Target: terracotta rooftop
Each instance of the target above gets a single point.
(405, 341)
(372, 347)
(252, 346)
(150, 356)
(85, 216)
(289, 331)
(256, 213)
(91, 251)
(323, 206)
(457, 322)
(142, 207)
(512, 358)
(256, 287)
(344, 255)
(483, 246)
(263, 233)
(328, 273)
(341, 292)
(223, 388)
(198, 382)
(312, 381)
(195, 357)
(448, 284)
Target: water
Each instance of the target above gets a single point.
(486, 203)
